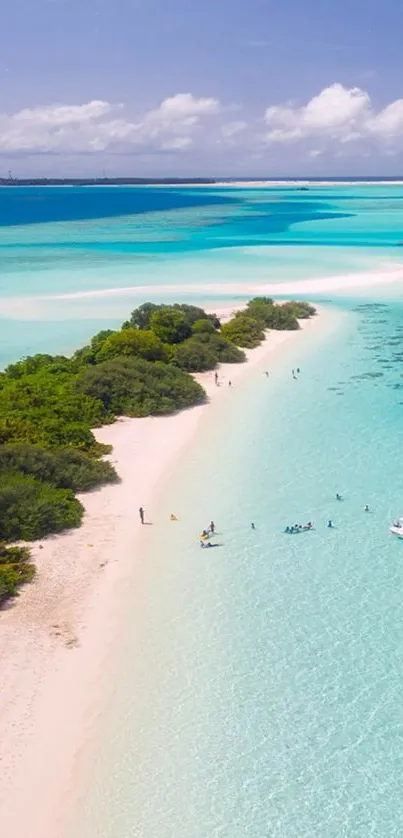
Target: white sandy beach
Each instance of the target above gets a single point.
(57, 638)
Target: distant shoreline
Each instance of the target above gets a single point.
(299, 182)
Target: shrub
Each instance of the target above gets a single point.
(283, 319)
(231, 354)
(300, 309)
(134, 387)
(65, 468)
(30, 509)
(243, 331)
(15, 569)
(33, 363)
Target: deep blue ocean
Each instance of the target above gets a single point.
(258, 688)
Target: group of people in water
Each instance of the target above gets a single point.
(206, 534)
(299, 528)
(295, 528)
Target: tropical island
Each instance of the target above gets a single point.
(50, 404)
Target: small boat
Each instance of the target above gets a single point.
(397, 527)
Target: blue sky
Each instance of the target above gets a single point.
(217, 87)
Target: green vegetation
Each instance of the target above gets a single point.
(299, 309)
(244, 330)
(247, 327)
(132, 343)
(64, 468)
(50, 404)
(204, 350)
(30, 508)
(15, 569)
(134, 387)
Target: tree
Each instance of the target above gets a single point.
(132, 342)
(243, 331)
(170, 325)
(195, 356)
(141, 316)
(203, 326)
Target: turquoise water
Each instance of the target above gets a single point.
(259, 686)
(74, 260)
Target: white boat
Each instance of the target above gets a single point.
(397, 527)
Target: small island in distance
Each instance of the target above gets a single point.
(104, 181)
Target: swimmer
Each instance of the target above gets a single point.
(366, 508)
(338, 497)
(253, 526)
(330, 524)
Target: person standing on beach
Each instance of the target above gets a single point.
(141, 513)
(212, 527)
(230, 384)
(216, 377)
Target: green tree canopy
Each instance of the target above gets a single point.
(140, 318)
(30, 509)
(203, 326)
(243, 331)
(65, 468)
(170, 324)
(132, 342)
(134, 387)
(300, 309)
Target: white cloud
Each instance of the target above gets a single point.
(334, 112)
(177, 144)
(185, 105)
(100, 126)
(389, 121)
(337, 118)
(337, 114)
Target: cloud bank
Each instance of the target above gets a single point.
(337, 114)
(101, 126)
(335, 120)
